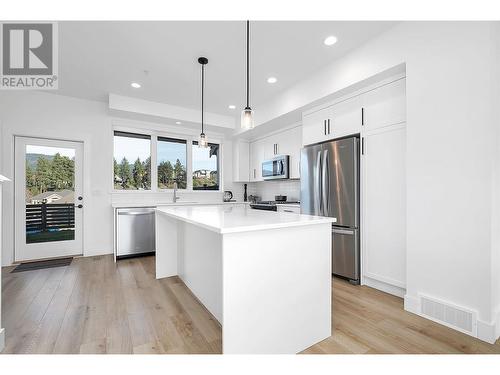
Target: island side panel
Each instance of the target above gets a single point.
(200, 265)
(166, 245)
(276, 289)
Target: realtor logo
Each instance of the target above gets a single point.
(28, 55)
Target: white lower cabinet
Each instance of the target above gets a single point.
(384, 207)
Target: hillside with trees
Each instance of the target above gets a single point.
(48, 173)
(132, 176)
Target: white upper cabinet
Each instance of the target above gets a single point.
(315, 126)
(346, 118)
(290, 143)
(287, 142)
(385, 105)
(338, 120)
(241, 161)
(256, 158)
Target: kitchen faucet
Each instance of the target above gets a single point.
(175, 198)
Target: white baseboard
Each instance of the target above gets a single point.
(2, 338)
(412, 304)
(486, 331)
(384, 287)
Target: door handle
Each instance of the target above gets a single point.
(317, 187)
(343, 231)
(325, 184)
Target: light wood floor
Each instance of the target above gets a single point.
(95, 306)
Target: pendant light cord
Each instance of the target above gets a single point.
(248, 64)
(202, 93)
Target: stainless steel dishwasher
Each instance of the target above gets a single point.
(135, 231)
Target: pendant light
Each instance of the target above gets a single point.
(247, 113)
(203, 141)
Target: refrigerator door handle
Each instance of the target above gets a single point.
(343, 231)
(317, 187)
(325, 184)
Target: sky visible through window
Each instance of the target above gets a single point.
(50, 151)
(202, 160)
(171, 151)
(131, 149)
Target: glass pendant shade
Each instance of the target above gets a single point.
(203, 141)
(247, 118)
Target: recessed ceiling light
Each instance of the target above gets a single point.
(330, 40)
(231, 106)
(272, 80)
(178, 122)
(135, 85)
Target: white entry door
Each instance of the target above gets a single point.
(48, 198)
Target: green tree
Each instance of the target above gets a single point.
(147, 173)
(63, 169)
(43, 174)
(165, 171)
(139, 174)
(125, 173)
(180, 174)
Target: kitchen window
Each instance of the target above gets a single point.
(132, 161)
(206, 167)
(171, 159)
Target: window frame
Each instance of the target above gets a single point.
(167, 132)
(218, 166)
(181, 140)
(138, 133)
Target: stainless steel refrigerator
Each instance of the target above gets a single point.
(329, 186)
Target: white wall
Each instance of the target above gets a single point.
(38, 114)
(495, 228)
(267, 190)
(450, 149)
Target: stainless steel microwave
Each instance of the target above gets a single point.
(276, 168)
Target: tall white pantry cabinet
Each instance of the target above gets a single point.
(378, 114)
(2, 330)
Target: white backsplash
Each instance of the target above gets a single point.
(266, 190)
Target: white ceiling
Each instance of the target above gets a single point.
(98, 58)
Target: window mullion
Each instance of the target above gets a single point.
(154, 167)
(189, 160)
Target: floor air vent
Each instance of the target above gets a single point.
(449, 315)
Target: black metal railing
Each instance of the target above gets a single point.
(46, 217)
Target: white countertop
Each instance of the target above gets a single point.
(233, 219)
(140, 205)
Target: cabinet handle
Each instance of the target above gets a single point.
(362, 145)
(362, 116)
(277, 149)
(254, 174)
(324, 123)
(328, 126)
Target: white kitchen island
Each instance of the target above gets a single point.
(265, 276)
